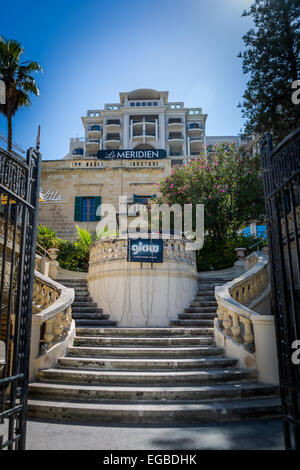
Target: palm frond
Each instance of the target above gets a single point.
(84, 235)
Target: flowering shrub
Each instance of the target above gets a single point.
(228, 184)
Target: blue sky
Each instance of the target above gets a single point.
(92, 49)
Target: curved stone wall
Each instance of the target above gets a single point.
(142, 294)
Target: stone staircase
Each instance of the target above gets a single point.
(84, 311)
(173, 375)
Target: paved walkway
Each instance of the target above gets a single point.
(265, 435)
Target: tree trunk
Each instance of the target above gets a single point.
(9, 128)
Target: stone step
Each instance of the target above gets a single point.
(152, 364)
(95, 323)
(200, 309)
(192, 323)
(206, 303)
(197, 316)
(139, 393)
(89, 316)
(87, 309)
(204, 297)
(81, 290)
(205, 292)
(143, 332)
(154, 413)
(147, 341)
(150, 352)
(84, 304)
(72, 282)
(158, 377)
(83, 298)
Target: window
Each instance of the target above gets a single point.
(137, 199)
(86, 209)
(132, 104)
(155, 103)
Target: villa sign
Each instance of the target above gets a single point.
(140, 250)
(131, 154)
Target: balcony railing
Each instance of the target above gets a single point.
(95, 128)
(93, 141)
(78, 151)
(144, 134)
(175, 135)
(113, 137)
(113, 122)
(175, 121)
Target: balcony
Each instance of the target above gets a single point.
(175, 123)
(112, 141)
(151, 120)
(113, 124)
(141, 135)
(94, 130)
(78, 151)
(196, 138)
(92, 145)
(175, 136)
(112, 137)
(195, 127)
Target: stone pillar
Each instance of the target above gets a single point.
(53, 264)
(126, 131)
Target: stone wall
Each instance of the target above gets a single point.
(109, 181)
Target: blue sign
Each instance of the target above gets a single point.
(141, 250)
(156, 154)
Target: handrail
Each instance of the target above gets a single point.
(43, 249)
(51, 310)
(257, 243)
(235, 299)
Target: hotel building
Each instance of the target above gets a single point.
(126, 149)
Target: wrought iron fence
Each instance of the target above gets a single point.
(19, 196)
(281, 177)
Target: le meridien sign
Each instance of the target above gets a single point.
(141, 250)
(132, 154)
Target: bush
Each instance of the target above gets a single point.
(220, 254)
(47, 238)
(72, 256)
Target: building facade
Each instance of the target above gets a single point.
(126, 149)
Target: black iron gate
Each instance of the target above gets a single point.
(19, 192)
(281, 177)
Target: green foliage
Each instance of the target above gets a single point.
(105, 233)
(229, 185)
(47, 238)
(18, 78)
(272, 61)
(220, 254)
(84, 236)
(72, 255)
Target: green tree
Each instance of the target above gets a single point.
(229, 185)
(271, 59)
(19, 81)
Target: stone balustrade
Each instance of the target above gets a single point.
(142, 294)
(10, 235)
(116, 249)
(51, 320)
(245, 333)
(234, 298)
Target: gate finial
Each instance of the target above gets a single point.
(37, 142)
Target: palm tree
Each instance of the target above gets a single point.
(18, 80)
